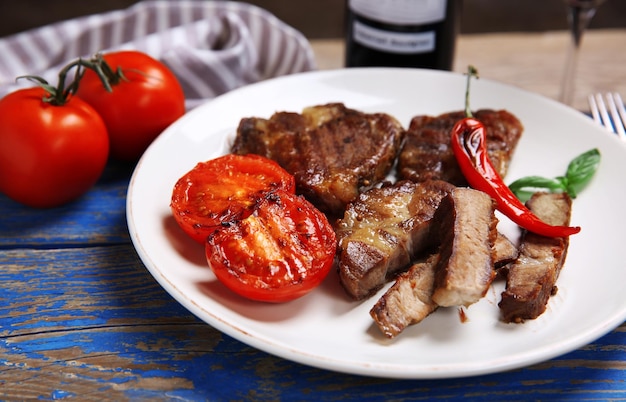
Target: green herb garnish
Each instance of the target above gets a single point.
(579, 173)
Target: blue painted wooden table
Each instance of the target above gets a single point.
(81, 318)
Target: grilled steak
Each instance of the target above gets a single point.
(409, 300)
(531, 279)
(333, 152)
(383, 230)
(426, 153)
(467, 225)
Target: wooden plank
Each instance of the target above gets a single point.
(52, 290)
(91, 323)
(98, 217)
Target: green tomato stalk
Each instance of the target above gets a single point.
(59, 95)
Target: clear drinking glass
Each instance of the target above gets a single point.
(580, 13)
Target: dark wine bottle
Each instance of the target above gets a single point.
(402, 33)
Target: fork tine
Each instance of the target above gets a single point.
(595, 113)
(604, 113)
(616, 121)
(618, 127)
(620, 108)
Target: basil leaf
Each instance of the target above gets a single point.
(579, 173)
(525, 187)
(581, 170)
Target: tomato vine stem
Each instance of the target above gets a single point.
(59, 95)
(113, 77)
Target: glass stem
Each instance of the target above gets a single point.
(579, 18)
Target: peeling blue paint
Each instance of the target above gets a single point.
(61, 394)
(77, 300)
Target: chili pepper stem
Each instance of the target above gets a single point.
(471, 72)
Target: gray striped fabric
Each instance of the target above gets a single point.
(211, 46)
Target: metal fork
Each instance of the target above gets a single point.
(612, 118)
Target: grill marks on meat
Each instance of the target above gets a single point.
(383, 231)
(532, 277)
(333, 152)
(467, 226)
(427, 155)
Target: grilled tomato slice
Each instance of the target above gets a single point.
(278, 253)
(224, 189)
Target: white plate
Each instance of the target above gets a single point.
(325, 329)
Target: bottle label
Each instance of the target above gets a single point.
(394, 42)
(401, 12)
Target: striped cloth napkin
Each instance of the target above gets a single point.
(211, 46)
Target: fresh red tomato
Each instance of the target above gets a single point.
(143, 102)
(224, 189)
(49, 155)
(278, 253)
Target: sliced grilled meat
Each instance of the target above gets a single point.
(531, 279)
(467, 225)
(333, 152)
(383, 230)
(426, 153)
(409, 300)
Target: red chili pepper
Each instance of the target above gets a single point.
(468, 143)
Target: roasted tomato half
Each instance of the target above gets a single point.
(224, 189)
(280, 252)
